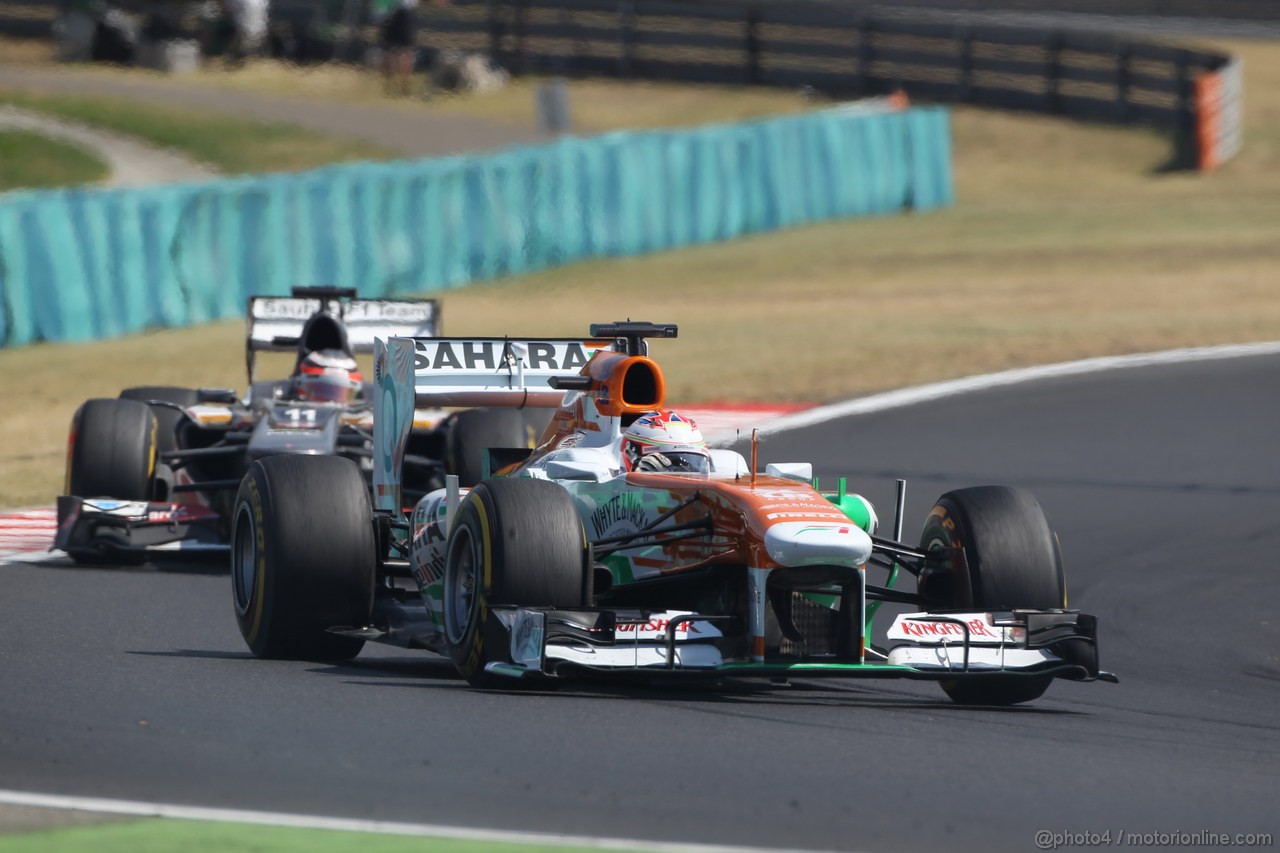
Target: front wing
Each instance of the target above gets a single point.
(930, 646)
(114, 527)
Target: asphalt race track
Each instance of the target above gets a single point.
(1164, 483)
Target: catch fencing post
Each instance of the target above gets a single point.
(964, 40)
(1123, 80)
(753, 46)
(1053, 76)
(866, 52)
(626, 26)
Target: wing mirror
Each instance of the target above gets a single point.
(799, 471)
(226, 396)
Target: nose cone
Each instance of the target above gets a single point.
(817, 543)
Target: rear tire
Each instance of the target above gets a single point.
(1010, 560)
(167, 418)
(303, 557)
(472, 432)
(514, 542)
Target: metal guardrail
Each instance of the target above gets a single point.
(833, 48)
(28, 19)
(1261, 10)
(1240, 10)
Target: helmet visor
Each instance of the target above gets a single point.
(675, 462)
(326, 389)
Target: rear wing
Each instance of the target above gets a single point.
(496, 371)
(414, 373)
(275, 323)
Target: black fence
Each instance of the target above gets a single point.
(1239, 10)
(829, 47)
(833, 50)
(27, 20)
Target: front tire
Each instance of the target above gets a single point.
(113, 450)
(111, 454)
(303, 557)
(514, 542)
(1005, 556)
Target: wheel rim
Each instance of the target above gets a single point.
(459, 584)
(244, 560)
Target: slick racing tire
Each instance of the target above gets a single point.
(1010, 560)
(112, 454)
(468, 434)
(113, 450)
(303, 557)
(513, 542)
(167, 417)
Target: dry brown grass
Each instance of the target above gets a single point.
(1065, 242)
(26, 50)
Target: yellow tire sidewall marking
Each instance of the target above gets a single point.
(475, 655)
(151, 456)
(71, 451)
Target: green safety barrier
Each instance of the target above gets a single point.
(78, 265)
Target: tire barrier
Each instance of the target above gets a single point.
(78, 265)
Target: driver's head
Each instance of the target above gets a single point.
(327, 376)
(667, 442)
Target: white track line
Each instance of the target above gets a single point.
(970, 384)
(458, 833)
(41, 556)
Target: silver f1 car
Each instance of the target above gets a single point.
(568, 562)
(157, 468)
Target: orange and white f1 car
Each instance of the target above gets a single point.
(565, 563)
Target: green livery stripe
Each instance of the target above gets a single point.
(621, 569)
(856, 507)
(873, 606)
(825, 599)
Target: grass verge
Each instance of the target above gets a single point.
(227, 144)
(167, 835)
(1067, 241)
(31, 161)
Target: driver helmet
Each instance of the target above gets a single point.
(665, 442)
(327, 376)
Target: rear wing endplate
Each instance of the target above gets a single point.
(428, 372)
(393, 407)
